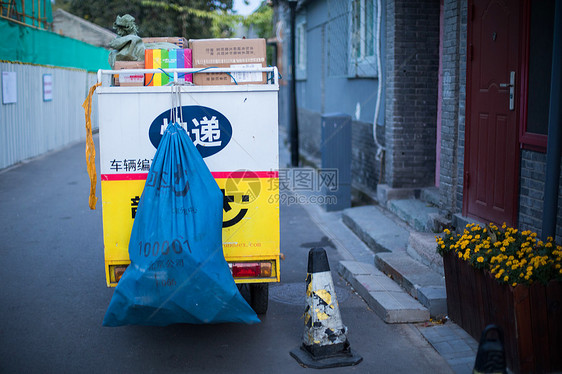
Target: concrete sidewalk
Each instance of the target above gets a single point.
(371, 235)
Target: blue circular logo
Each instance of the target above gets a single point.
(209, 129)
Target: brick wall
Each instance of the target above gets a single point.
(531, 194)
(453, 106)
(412, 50)
(365, 168)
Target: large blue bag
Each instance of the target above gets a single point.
(178, 273)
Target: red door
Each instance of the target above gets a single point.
(491, 170)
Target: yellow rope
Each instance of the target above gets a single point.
(90, 149)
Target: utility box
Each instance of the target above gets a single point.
(336, 156)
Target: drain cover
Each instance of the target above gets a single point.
(295, 293)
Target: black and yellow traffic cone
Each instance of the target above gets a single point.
(325, 341)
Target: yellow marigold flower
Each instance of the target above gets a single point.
(548, 245)
(477, 236)
(557, 266)
(498, 275)
(460, 254)
(514, 284)
(534, 235)
(505, 278)
(550, 238)
(504, 226)
(447, 231)
(502, 249)
(527, 277)
(480, 259)
(521, 275)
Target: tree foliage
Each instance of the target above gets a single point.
(188, 18)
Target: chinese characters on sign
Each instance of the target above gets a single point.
(206, 132)
(230, 51)
(130, 164)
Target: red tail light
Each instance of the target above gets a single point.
(252, 269)
(246, 269)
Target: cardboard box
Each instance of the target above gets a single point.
(226, 53)
(166, 58)
(179, 41)
(129, 79)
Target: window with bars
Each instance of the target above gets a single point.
(362, 34)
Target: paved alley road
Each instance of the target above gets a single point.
(54, 295)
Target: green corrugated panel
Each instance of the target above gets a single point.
(26, 44)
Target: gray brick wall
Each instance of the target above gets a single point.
(453, 106)
(365, 168)
(531, 194)
(412, 35)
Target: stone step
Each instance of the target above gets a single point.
(415, 212)
(389, 301)
(422, 283)
(430, 195)
(377, 230)
(423, 248)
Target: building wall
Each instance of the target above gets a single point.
(31, 126)
(412, 50)
(531, 198)
(327, 87)
(453, 107)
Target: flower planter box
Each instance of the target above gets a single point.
(530, 316)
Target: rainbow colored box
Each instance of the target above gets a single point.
(166, 59)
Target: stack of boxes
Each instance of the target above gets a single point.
(204, 53)
(228, 53)
(166, 59)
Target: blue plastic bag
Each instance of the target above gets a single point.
(178, 273)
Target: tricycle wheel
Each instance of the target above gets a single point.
(259, 297)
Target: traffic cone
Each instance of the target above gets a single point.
(325, 343)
